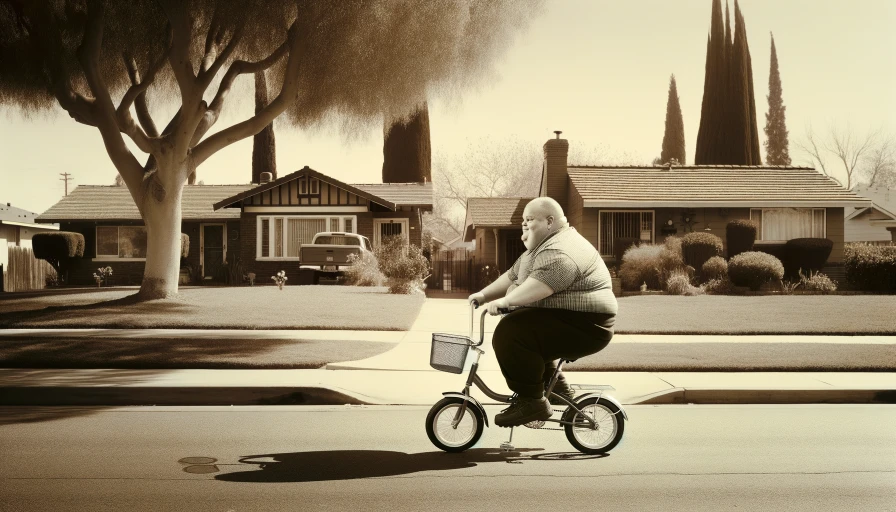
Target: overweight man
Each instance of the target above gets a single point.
(562, 305)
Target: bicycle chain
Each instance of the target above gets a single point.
(532, 424)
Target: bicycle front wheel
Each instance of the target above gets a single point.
(450, 438)
(604, 435)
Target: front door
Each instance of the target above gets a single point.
(213, 247)
(389, 227)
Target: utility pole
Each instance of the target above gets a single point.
(65, 178)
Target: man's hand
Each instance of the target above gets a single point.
(478, 297)
(494, 305)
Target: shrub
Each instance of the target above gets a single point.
(809, 254)
(364, 271)
(718, 286)
(58, 249)
(740, 235)
(817, 282)
(620, 245)
(403, 265)
(698, 247)
(648, 263)
(871, 267)
(679, 283)
(673, 243)
(714, 268)
(753, 269)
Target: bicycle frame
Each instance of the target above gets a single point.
(474, 379)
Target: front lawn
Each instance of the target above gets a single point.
(256, 307)
(768, 314)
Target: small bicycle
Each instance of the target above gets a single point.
(593, 422)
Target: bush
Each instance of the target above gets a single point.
(871, 267)
(58, 249)
(809, 254)
(620, 245)
(740, 235)
(817, 282)
(698, 247)
(403, 265)
(719, 286)
(648, 263)
(753, 269)
(364, 271)
(673, 243)
(679, 283)
(714, 268)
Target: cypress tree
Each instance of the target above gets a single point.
(673, 138)
(711, 136)
(264, 150)
(777, 151)
(753, 126)
(407, 157)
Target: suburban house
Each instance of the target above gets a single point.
(652, 202)
(257, 227)
(17, 226)
(875, 224)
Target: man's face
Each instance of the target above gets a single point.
(536, 226)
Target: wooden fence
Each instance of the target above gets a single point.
(24, 271)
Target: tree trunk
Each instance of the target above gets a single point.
(162, 216)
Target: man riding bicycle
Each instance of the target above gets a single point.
(564, 308)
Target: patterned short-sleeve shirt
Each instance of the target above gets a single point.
(572, 267)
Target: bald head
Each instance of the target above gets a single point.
(548, 207)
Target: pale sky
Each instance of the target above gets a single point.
(596, 69)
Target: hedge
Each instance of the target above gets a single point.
(808, 254)
(698, 247)
(871, 267)
(740, 235)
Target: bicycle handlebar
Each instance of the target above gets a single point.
(475, 304)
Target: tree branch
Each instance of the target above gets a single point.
(254, 124)
(88, 55)
(138, 89)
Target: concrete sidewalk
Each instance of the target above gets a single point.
(403, 376)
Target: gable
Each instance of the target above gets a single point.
(305, 187)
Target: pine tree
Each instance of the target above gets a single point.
(264, 148)
(407, 157)
(673, 138)
(776, 143)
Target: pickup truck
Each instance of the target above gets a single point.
(330, 250)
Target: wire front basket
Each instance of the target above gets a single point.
(449, 352)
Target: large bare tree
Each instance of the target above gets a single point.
(326, 60)
(880, 164)
(840, 148)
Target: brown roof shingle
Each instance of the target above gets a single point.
(709, 186)
(99, 202)
(403, 194)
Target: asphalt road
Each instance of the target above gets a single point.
(809, 457)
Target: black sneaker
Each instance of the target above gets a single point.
(568, 393)
(524, 410)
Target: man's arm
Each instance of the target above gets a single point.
(493, 291)
(530, 291)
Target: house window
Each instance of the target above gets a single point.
(121, 242)
(614, 224)
(313, 186)
(281, 237)
(782, 224)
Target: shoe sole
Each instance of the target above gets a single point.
(526, 419)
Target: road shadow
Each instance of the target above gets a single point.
(14, 415)
(354, 464)
(29, 311)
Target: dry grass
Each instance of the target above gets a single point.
(258, 307)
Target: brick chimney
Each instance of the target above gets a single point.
(556, 179)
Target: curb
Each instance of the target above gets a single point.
(769, 396)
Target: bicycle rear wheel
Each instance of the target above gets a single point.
(608, 429)
(453, 439)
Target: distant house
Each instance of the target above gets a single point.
(876, 223)
(260, 225)
(17, 226)
(652, 202)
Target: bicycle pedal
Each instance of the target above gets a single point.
(535, 424)
(507, 447)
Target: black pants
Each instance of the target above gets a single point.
(527, 338)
